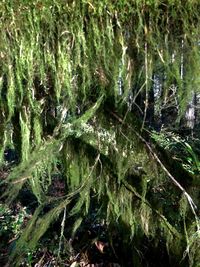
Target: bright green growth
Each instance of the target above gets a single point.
(67, 71)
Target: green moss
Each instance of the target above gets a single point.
(66, 68)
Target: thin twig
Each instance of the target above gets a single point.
(62, 231)
(175, 182)
(146, 87)
(132, 190)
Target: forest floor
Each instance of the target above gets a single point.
(89, 247)
(93, 245)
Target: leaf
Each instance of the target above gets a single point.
(74, 264)
(100, 246)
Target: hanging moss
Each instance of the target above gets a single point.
(70, 72)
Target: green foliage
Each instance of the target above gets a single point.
(11, 223)
(180, 150)
(67, 71)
